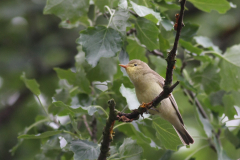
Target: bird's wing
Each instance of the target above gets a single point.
(174, 103)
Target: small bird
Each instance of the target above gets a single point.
(148, 85)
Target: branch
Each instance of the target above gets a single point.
(94, 129)
(198, 104)
(86, 124)
(172, 54)
(108, 131)
(133, 13)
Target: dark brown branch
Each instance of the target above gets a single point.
(198, 104)
(157, 53)
(172, 54)
(131, 31)
(108, 131)
(133, 13)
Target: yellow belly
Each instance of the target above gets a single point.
(165, 108)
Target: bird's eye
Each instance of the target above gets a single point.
(135, 64)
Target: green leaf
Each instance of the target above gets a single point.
(130, 149)
(74, 123)
(101, 3)
(70, 10)
(188, 31)
(123, 4)
(66, 74)
(99, 42)
(236, 95)
(136, 51)
(129, 94)
(206, 125)
(77, 79)
(91, 109)
(166, 133)
(105, 70)
(123, 59)
(205, 5)
(220, 152)
(232, 138)
(190, 47)
(84, 149)
(39, 118)
(147, 33)
(230, 68)
(82, 81)
(206, 43)
(229, 109)
(163, 6)
(142, 11)
(209, 78)
(40, 135)
(119, 21)
(131, 130)
(163, 43)
(167, 24)
(160, 64)
(70, 109)
(31, 84)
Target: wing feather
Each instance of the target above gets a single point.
(174, 103)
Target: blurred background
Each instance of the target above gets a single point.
(33, 43)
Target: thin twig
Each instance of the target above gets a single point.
(157, 53)
(108, 131)
(133, 13)
(198, 104)
(86, 124)
(94, 129)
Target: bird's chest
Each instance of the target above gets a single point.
(147, 92)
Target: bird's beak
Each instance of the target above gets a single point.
(124, 66)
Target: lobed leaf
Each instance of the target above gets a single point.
(84, 149)
(99, 42)
(166, 133)
(40, 135)
(31, 84)
(71, 10)
(147, 33)
(205, 5)
(143, 11)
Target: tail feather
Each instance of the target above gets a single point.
(184, 136)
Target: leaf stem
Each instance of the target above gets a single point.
(45, 110)
(35, 124)
(121, 124)
(111, 13)
(78, 136)
(188, 157)
(103, 110)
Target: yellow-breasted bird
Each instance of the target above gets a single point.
(148, 85)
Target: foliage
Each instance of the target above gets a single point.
(82, 90)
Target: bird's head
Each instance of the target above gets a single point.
(136, 69)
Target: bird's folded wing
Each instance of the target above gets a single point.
(174, 103)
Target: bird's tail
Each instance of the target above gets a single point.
(184, 136)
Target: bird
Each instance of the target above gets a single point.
(148, 85)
